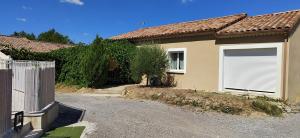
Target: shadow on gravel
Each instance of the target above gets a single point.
(67, 115)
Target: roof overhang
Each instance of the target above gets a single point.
(253, 34)
(182, 35)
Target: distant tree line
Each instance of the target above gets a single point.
(49, 36)
(29, 36)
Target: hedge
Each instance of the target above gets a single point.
(102, 62)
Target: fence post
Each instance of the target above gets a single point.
(5, 98)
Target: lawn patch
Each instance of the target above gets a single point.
(65, 132)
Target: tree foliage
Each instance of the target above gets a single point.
(95, 65)
(120, 55)
(87, 66)
(150, 60)
(29, 36)
(53, 36)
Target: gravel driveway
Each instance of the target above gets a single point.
(117, 117)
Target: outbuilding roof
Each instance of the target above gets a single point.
(34, 46)
(198, 26)
(276, 22)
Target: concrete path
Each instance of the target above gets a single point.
(116, 117)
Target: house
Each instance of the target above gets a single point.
(34, 46)
(256, 55)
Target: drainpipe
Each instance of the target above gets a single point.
(285, 68)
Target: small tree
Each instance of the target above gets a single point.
(55, 37)
(150, 60)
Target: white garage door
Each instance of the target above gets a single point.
(250, 69)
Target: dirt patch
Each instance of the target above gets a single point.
(73, 89)
(66, 88)
(109, 89)
(86, 90)
(209, 101)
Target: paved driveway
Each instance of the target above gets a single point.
(117, 117)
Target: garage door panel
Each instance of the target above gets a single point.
(251, 69)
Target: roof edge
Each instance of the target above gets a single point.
(243, 15)
(276, 13)
(251, 34)
(36, 41)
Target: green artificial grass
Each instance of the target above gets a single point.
(65, 132)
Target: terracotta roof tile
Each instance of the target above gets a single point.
(198, 26)
(34, 46)
(276, 22)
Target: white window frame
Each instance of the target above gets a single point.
(278, 46)
(174, 50)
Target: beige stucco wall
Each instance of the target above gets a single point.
(293, 78)
(203, 58)
(202, 65)
(202, 72)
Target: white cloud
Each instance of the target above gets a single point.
(21, 19)
(26, 8)
(76, 2)
(186, 1)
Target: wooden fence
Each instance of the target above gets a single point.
(5, 97)
(33, 85)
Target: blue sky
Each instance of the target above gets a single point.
(81, 20)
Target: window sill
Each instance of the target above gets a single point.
(176, 71)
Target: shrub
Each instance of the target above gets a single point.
(155, 97)
(86, 66)
(265, 98)
(265, 106)
(151, 61)
(94, 66)
(195, 103)
(231, 110)
(120, 55)
(168, 80)
(68, 69)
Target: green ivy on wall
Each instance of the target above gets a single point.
(87, 66)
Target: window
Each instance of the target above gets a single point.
(177, 59)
